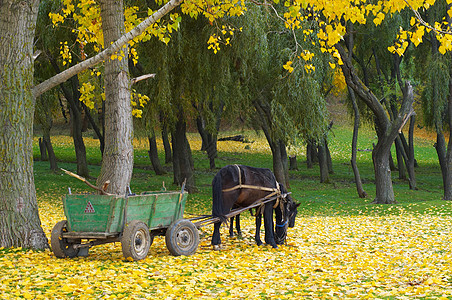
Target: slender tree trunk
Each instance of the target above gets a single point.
(323, 165)
(410, 152)
(400, 158)
(20, 225)
(184, 160)
(285, 162)
(358, 182)
(43, 149)
(76, 119)
(117, 161)
(166, 144)
(153, 155)
(448, 185)
(76, 123)
(49, 148)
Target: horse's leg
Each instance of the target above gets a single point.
(216, 237)
(268, 225)
(231, 226)
(280, 227)
(237, 226)
(257, 237)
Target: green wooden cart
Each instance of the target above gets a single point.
(132, 220)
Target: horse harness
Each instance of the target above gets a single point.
(274, 191)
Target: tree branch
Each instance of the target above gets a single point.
(107, 52)
(142, 77)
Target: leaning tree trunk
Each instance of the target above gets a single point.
(153, 155)
(358, 182)
(387, 129)
(166, 143)
(117, 161)
(20, 225)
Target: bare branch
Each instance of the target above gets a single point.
(142, 77)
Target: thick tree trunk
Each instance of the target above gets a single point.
(117, 161)
(154, 156)
(358, 182)
(19, 219)
(383, 180)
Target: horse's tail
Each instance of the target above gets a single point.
(217, 198)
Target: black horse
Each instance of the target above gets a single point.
(237, 186)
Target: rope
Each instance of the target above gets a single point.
(274, 191)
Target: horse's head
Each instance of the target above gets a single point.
(288, 217)
(291, 210)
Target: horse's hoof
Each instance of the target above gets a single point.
(275, 246)
(217, 247)
(259, 243)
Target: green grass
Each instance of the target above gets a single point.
(339, 197)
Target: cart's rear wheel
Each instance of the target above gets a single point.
(136, 240)
(182, 237)
(63, 247)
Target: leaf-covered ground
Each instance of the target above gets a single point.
(341, 247)
(400, 256)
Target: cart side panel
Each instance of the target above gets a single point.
(93, 213)
(168, 207)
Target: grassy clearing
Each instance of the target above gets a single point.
(342, 247)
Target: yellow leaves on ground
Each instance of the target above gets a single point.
(400, 256)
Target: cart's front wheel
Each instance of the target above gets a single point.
(182, 237)
(62, 247)
(136, 240)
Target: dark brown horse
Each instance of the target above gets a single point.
(241, 186)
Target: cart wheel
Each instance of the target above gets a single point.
(182, 237)
(136, 240)
(62, 247)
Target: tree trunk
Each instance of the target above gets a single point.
(323, 165)
(387, 130)
(400, 153)
(76, 120)
(383, 180)
(117, 161)
(358, 182)
(448, 185)
(154, 156)
(20, 225)
(43, 149)
(329, 160)
(293, 162)
(166, 144)
(49, 148)
(285, 162)
(410, 152)
(76, 123)
(182, 157)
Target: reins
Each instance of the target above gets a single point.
(274, 192)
